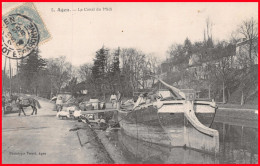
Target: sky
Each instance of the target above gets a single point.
(149, 27)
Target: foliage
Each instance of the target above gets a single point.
(222, 68)
(30, 70)
(217, 67)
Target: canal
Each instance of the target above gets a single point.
(238, 144)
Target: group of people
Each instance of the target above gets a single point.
(115, 99)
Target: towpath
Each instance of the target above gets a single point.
(43, 138)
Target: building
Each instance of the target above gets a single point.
(200, 65)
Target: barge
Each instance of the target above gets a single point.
(166, 118)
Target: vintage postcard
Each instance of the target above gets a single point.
(129, 83)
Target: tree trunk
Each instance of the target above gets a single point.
(209, 92)
(104, 96)
(120, 82)
(224, 101)
(228, 97)
(242, 98)
(250, 50)
(36, 91)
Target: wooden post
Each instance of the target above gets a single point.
(242, 98)
(10, 68)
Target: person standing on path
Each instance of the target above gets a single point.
(20, 107)
(113, 100)
(59, 104)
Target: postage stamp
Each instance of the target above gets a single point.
(23, 30)
(20, 36)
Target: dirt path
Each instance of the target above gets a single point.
(45, 139)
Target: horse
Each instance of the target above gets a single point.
(26, 103)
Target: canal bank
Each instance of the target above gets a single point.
(44, 139)
(234, 115)
(70, 141)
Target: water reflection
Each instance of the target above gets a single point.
(137, 151)
(238, 144)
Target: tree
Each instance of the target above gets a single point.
(222, 69)
(208, 38)
(60, 72)
(29, 70)
(179, 61)
(153, 66)
(85, 71)
(72, 86)
(187, 47)
(247, 55)
(176, 54)
(115, 66)
(87, 81)
(5, 81)
(44, 84)
(249, 30)
(99, 70)
(248, 83)
(134, 64)
(114, 73)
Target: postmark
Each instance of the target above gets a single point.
(22, 31)
(20, 36)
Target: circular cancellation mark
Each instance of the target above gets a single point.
(20, 36)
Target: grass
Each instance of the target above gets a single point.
(245, 106)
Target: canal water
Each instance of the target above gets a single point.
(238, 144)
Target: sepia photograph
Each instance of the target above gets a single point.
(129, 83)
